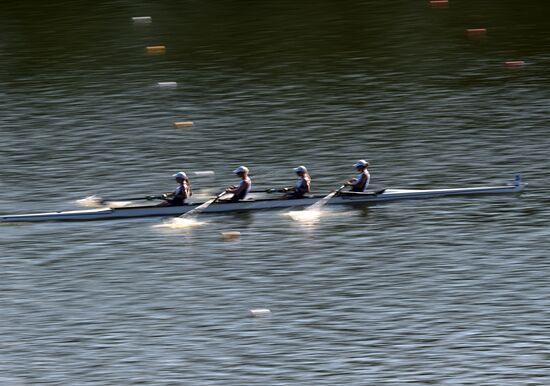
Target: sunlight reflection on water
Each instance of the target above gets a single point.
(427, 292)
(99, 202)
(305, 217)
(179, 223)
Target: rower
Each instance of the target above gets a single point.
(240, 191)
(361, 180)
(302, 186)
(180, 194)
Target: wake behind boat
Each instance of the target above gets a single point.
(258, 204)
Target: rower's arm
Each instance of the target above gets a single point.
(181, 195)
(306, 187)
(353, 181)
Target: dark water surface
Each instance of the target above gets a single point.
(450, 291)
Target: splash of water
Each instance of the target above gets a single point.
(119, 204)
(312, 214)
(180, 223)
(322, 202)
(91, 202)
(99, 202)
(308, 216)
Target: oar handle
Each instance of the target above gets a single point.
(202, 206)
(339, 189)
(148, 198)
(219, 196)
(272, 190)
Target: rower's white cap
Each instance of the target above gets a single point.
(180, 175)
(300, 169)
(362, 163)
(241, 169)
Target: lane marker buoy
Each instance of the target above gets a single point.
(514, 63)
(155, 49)
(183, 124)
(205, 173)
(142, 20)
(260, 312)
(230, 234)
(476, 31)
(439, 3)
(167, 84)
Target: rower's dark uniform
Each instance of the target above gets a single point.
(242, 190)
(181, 193)
(301, 188)
(362, 182)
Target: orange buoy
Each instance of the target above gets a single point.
(183, 124)
(155, 49)
(476, 31)
(439, 3)
(514, 63)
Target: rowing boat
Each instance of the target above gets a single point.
(257, 204)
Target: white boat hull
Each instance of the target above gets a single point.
(251, 204)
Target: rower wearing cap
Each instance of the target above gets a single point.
(302, 186)
(361, 180)
(240, 191)
(180, 194)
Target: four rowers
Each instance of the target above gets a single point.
(240, 191)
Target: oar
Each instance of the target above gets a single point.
(203, 206)
(272, 190)
(312, 213)
(200, 173)
(148, 198)
(325, 199)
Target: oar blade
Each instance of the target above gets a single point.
(312, 213)
(323, 201)
(203, 206)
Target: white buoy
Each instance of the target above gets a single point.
(260, 312)
(476, 32)
(167, 84)
(514, 63)
(439, 3)
(205, 173)
(142, 20)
